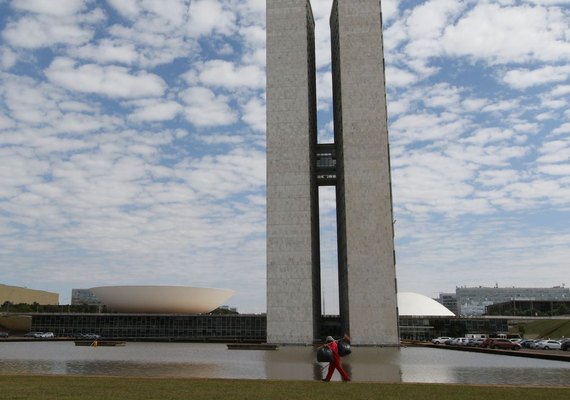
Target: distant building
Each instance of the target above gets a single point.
(18, 295)
(80, 297)
(474, 300)
(448, 300)
(228, 308)
(531, 308)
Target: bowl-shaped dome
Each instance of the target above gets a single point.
(161, 299)
(415, 304)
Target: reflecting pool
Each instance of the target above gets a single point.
(191, 360)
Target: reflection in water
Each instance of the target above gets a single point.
(444, 366)
(375, 364)
(288, 362)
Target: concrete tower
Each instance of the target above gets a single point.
(358, 164)
(293, 282)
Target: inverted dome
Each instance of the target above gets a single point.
(415, 304)
(162, 299)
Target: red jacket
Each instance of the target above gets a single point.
(334, 347)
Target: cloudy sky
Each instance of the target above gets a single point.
(132, 143)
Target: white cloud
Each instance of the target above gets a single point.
(254, 114)
(168, 12)
(324, 90)
(226, 74)
(556, 170)
(7, 58)
(561, 90)
(204, 108)
(111, 81)
(389, 9)
(490, 135)
(153, 110)
(57, 8)
(499, 155)
(29, 101)
(5, 122)
(427, 127)
(562, 129)
(498, 177)
(18, 169)
(152, 47)
(206, 17)
(107, 52)
(397, 77)
(524, 78)
(34, 32)
(554, 151)
(501, 105)
(509, 34)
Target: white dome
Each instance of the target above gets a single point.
(414, 304)
(161, 299)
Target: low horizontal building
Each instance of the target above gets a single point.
(203, 328)
(473, 300)
(18, 295)
(530, 308)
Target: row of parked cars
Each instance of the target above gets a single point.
(40, 335)
(546, 344)
(44, 335)
(505, 344)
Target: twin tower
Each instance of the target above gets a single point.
(358, 164)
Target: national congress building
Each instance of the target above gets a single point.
(357, 164)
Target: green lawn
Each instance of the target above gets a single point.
(90, 388)
(546, 329)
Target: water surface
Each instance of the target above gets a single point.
(191, 360)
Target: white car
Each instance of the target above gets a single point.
(549, 345)
(47, 335)
(440, 340)
(462, 341)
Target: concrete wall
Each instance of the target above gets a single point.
(293, 282)
(18, 295)
(367, 277)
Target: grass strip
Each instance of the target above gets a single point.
(91, 388)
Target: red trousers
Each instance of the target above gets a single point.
(336, 365)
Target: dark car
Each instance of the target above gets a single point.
(565, 345)
(504, 344)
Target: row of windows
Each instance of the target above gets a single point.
(242, 328)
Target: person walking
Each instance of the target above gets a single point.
(335, 363)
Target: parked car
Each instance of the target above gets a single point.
(3, 335)
(504, 344)
(461, 341)
(90, 336)
(526, 343)
(47, 335)
(475, 342)
(34, 334)
(486, 342)
(565, 345)
(550, 345)
(440, 340)
(535, 344)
